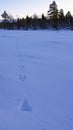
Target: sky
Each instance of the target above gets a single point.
(21, 8)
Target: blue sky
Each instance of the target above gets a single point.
(23, 7)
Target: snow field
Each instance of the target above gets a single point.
(36, 80)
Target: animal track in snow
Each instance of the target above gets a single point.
(22, 77)
(21, 67)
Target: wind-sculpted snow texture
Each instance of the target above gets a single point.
(36, 80)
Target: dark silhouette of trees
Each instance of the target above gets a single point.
(43, 22)
(35, 21)
(53, 14)
(68, 19)
(7, 22)
(5, 16)
(28, 21)
(54, 20)
(61, 19)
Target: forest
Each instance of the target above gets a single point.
(55, 20)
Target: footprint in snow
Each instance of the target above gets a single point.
(21, 67)
(22, 77)
(25, 106)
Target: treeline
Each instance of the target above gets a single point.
(54, 20)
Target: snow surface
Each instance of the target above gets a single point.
(36, 80)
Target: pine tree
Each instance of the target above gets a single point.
(53, 14)
(5, 16)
